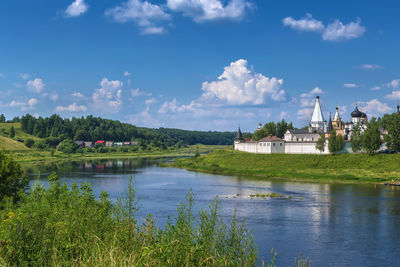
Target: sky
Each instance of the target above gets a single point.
(198, 64)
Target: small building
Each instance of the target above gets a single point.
(118, 144)
(100, 142)
(88, 144)
(109, 143)
(80, 143)
(127, 143)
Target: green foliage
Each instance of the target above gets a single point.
(321, 143)
(12, 132)
(355, 139)
(272, 128)
(2, 118)
(12, 180)
(197, 154)
(41, 144)
(67, 146)
(61, 226)
(29, 142)
(392, 125)
(371, 139)
(336, 142)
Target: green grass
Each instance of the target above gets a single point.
(347, 168)
(11, 144)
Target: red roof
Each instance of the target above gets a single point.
(100, 142)
(270, 138)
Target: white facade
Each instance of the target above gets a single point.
(261, 147)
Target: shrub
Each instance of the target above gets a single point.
(67, 146)
(41, 144)
(29, 142)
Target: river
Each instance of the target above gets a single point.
(333, 224)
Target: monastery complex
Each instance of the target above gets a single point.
(303, 141)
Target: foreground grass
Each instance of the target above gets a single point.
(347, 168)
(61, 226)
(33, 157)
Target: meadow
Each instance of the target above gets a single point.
(346, 168)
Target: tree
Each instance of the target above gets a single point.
(68, 146)
(2, 118)
(321, 143)
(371, 139)
(393, 128)
(336, 142)
(12, 132)
(355, 139)
(29, 142)
(11, 177)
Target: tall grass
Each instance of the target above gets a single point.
(61, 226)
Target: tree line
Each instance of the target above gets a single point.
(55, 129)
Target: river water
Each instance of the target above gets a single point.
(333, 224)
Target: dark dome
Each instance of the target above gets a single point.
(356, 113)
(363, 115)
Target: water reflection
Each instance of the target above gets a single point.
(333, 224)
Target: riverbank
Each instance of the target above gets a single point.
(34, 157)
(344, 168)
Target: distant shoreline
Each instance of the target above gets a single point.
(345, 168)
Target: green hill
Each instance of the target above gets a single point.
(12, 144)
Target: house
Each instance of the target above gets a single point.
(118, 144)
(80, 143)
(127, 143)
(88, 144)
(100, 142)
(109, 143)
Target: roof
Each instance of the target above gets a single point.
(271, 138)
(298, 131)
(239, 136)
(356, 113)
(317, 114)
(100, 142)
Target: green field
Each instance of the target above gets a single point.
(12, 144)
(346, 168)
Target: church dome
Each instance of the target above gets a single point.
(363, 115)
(356, 113)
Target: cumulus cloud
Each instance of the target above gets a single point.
(53, 96)
(369, 67)
(394, 84)
(376, 88)
(29, 105)
(240, 84)
(307, 99)
(395, 95)
(146, 15)
(308, 24)
(36, 85)
(210, 10)
(137, 92)
(375, 108)
(77, 8)
(151, 101)
(168, 106)
(77, 94)
(25, 76)
(71, 108)
(349, 85)
(127, 74)
(305, 113)
(108, 98)
(335, 31)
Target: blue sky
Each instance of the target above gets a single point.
(198, 64)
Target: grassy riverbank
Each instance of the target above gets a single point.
(39, 156)
(347, 168)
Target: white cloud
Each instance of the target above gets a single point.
(137, 92)
(168, 107)
(71, 108)
(108, 98)
(394, 84)
(374, 108)
(151, 101)
(338, 31)
(240, 84)
(283, 115)
(395, 95)
(29, 105)
(210, 10)
(307, 99)
(349, 85)
(127, 74)
(369, 67)
(25, 76)
(376, 88)
(77, 94)
(145, 14)
(77, 8)
(36, 85)
(308, 24)
(305, 113)
(54, 96)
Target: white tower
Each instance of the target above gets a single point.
(317, 121)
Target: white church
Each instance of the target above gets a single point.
(303, 141)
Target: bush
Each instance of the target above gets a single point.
(41, 144)
(59, 226)
(67, 146)
(29, 142)
(12, 180)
